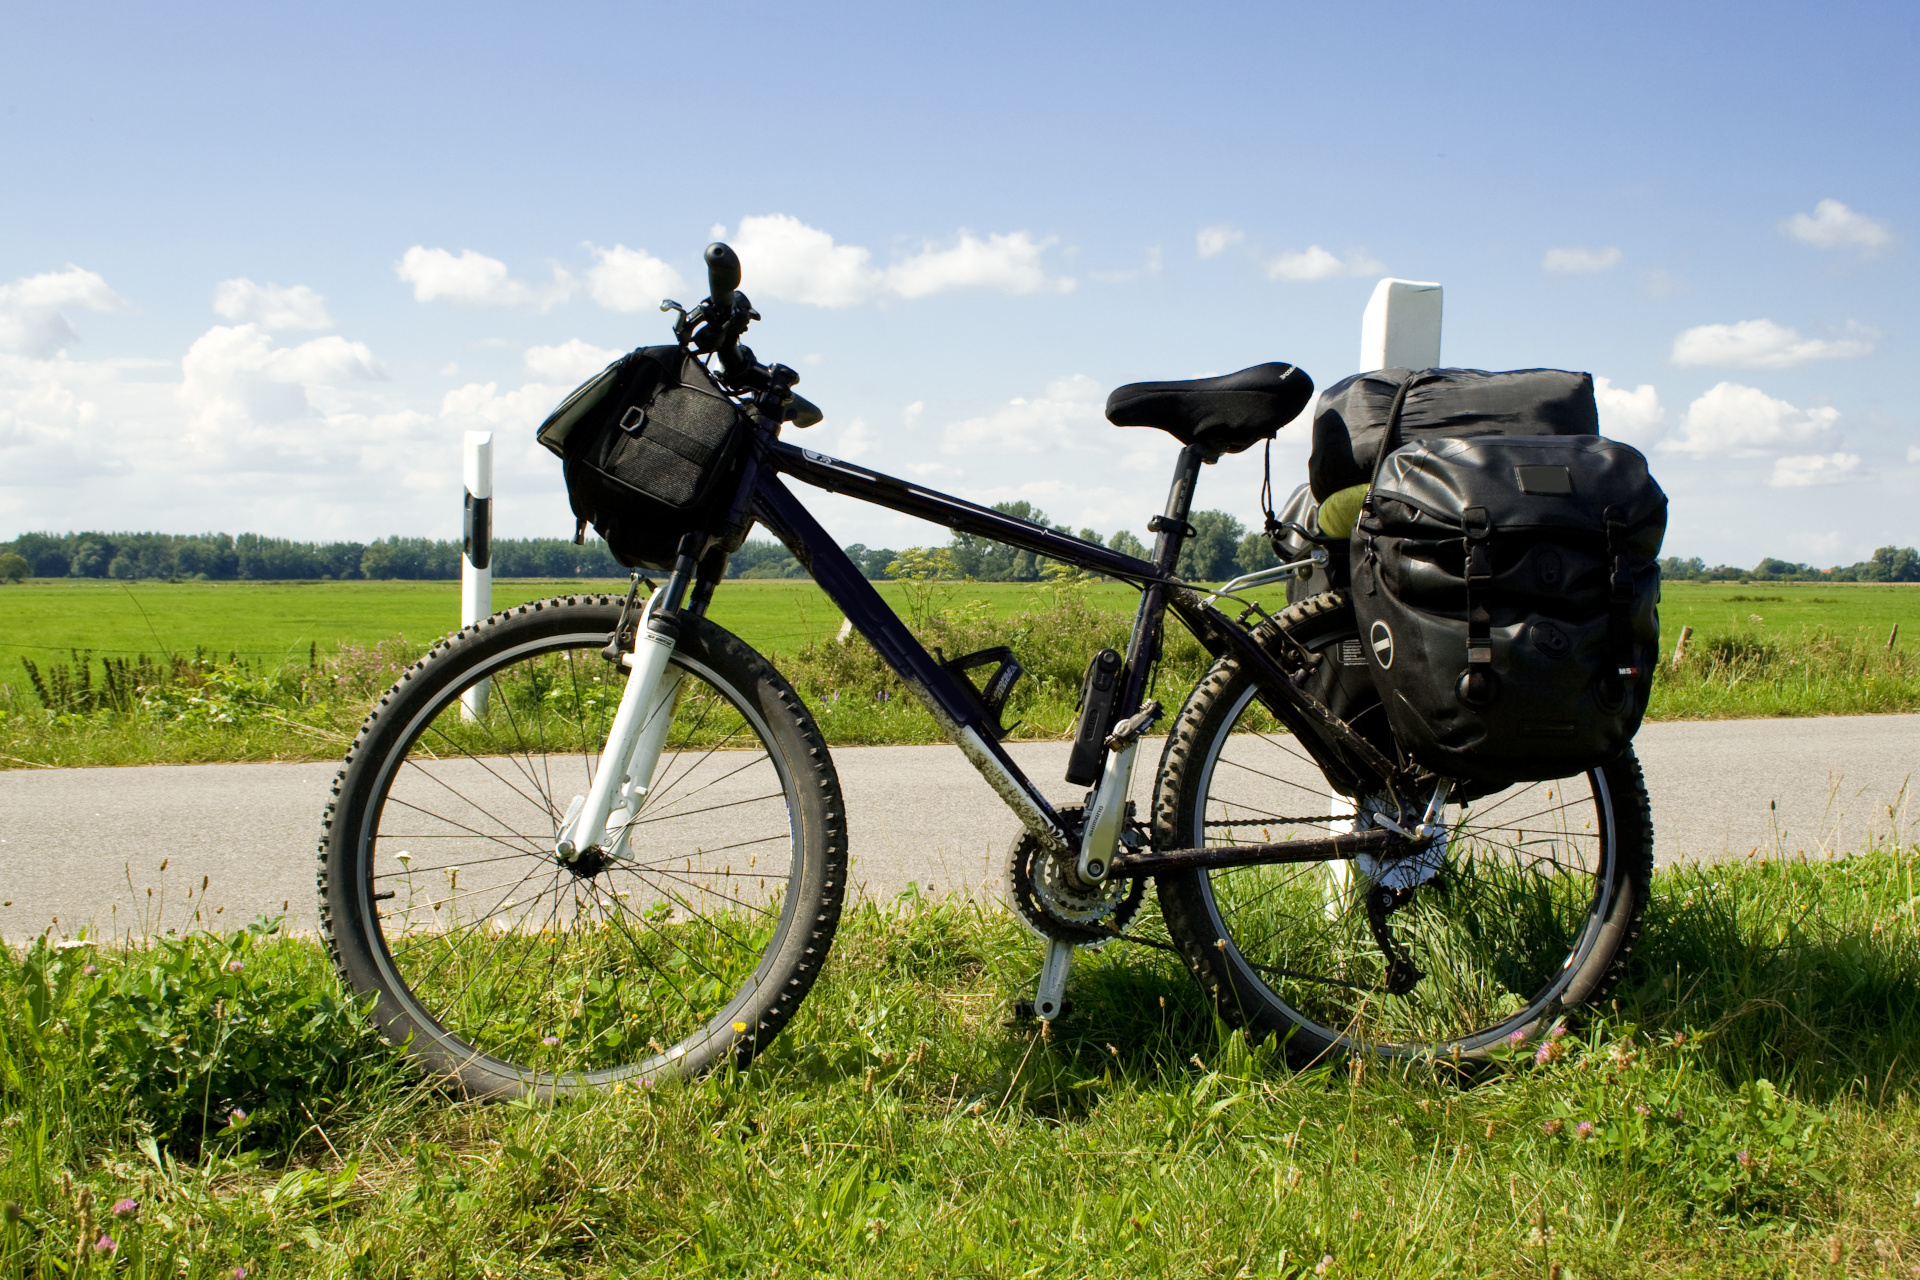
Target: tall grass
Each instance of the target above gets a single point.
(1787, 671)
(307, 708)
(1744, 1106)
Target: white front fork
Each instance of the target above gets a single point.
(646, 711)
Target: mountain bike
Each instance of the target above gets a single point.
(599, 839)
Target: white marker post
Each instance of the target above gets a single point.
(1401, 326)
(1400, 329)
(476, 558)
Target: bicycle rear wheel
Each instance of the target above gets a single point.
(1530, 911)
(499, 965)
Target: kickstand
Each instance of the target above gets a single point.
(1048, 1001)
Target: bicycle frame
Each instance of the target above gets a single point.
(1352, 763)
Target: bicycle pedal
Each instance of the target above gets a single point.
(1023, 1012)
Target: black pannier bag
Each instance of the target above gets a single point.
(652, 451)
(1506, 592)
(1352, 417)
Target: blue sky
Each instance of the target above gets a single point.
(259, 269)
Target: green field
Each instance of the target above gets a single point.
(275, 671)
(1744, 1105)
(45, 619)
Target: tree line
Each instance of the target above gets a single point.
(1221, 548)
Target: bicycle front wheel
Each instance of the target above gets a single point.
(496, 963)
(1529, 911)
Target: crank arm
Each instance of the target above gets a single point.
(1340, 848)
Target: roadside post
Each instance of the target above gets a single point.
(1400, 329)
(476, 551)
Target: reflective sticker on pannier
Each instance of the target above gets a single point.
(1555, 482)
(1382, 640)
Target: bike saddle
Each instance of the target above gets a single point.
(1221, 415)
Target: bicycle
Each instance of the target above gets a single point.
(626, 859)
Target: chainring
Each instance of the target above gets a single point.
(1043, 896)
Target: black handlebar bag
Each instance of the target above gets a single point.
(652, 451)
(1506, 590)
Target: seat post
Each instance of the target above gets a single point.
(1171, 527)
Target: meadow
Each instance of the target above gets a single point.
(257, 671)
(213, 1106)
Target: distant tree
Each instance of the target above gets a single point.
(1899, 564)
(990, 561)
(13, 567)
(873, 562)
(1126, 544)
(1674, 569)
(1208, 556)
(47, 556)
(91, 557)
(1255, 553)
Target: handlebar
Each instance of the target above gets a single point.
(721, 320)
(723, 277)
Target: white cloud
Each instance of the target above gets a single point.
(32, 309)
(1009, 263)
(1070, 414)
(785, 258)
(856, 441)
(1581, 261)
(472, 279)
(270, 306)
(1816, 468)
(1762, 344)
(233, 376)
(1213, 241)
(624, 279)
(570, 361)
(1913, 453)
(1635, 416)
(1318, 264)
(1735, 421)
(1832, 225)
(911, 414)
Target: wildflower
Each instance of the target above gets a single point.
(1744, 1160)
(1679, 1114)
(239, 1273)
(105, 1244)
(87, 971)
(125, 1208)
(1584, 1129)
(235, 966)
(1517, 1039)
(1641, 1108)
(550, 1041)
(1559, 1031)
(1549, 1051)
(236, 1117)
(1553, 1128)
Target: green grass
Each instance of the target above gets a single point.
(292, 666)
(1750, 1092)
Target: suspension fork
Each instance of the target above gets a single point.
(640, 725)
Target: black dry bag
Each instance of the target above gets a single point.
(1506, 590)
(652, 451)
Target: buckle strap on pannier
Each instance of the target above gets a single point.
(1620, 597)
(1478, 685)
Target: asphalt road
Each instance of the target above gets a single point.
(82, 846)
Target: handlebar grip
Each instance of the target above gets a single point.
(723, 276)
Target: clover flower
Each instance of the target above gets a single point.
(1641, 1108)
(235, 966)
(1584, 1129)
(125, 1208)
(105, 1244)
(1553, 1127)
(1744, 1160)
(550, 1041)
